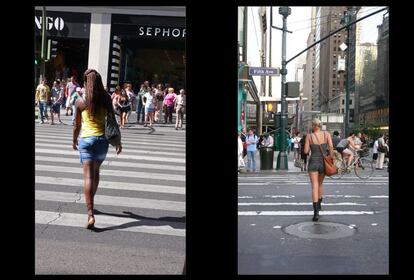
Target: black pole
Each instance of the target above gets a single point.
(282, 160)
(43, 53)
(270, 51)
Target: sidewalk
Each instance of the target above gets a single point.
(291, 168)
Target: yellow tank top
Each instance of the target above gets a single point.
(93, 127)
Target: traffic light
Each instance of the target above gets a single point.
(51, 49)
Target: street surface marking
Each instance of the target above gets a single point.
(103, 221)
(111, 155)
(117, 173)
(134, 151)
(119, 201)
(295, 203)
(118, 163)
(111, 185)
(301, 213)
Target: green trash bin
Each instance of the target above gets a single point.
(266, 158)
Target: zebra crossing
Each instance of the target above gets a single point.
(289, 195)
(141, 190)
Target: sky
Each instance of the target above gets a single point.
(299, 23)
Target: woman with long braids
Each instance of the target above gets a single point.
(314, 142)
(91, 110)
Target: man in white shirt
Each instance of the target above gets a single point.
(180, 109)
(296, 146)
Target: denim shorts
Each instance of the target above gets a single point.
(93, 148)
(316, 164)
(149, 110)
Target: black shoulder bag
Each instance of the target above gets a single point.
(112, 132)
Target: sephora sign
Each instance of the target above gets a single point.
(167, 32)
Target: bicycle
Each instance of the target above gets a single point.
(363, 167)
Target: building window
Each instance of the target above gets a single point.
(334, 62)
(350, 101)
(343, 111)
(333, 83)
(334, 41)
(344, 82)
(334, 76)
(334, 49)
(343, 102)
(337, 82)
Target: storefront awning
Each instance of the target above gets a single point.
(250, 86)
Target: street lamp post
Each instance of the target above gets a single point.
(282, 160)
(43, 54)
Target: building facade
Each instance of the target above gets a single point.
(123, 43)
(252, 46)
(375, 107)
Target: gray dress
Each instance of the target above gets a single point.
(316, 158)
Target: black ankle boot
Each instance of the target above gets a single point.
(319, 204)
(315, 212)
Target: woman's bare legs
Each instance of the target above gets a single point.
(314, 178)
(88, 186)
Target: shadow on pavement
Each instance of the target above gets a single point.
(174, 222)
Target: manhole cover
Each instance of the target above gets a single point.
(323, 230)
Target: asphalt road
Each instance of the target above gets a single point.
(272, 204)
(140, 204)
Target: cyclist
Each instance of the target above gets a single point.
(347, 148)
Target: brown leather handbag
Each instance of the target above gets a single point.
(328, 164)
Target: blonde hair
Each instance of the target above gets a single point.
(170, 89)
(316, 122)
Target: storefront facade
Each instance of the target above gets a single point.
(122, 43)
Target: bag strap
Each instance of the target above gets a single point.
(320, 147)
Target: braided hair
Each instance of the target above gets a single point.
(97, 98)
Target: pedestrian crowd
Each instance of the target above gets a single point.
(153, 104)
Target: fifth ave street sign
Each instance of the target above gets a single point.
(264, 71)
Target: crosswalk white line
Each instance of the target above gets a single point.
(111, 155)
(116, 173)
(296, 203)
(115, 163)
(103, 221)
(58, 181)
(141, 145)
(134, 151)
(326, 195)
(118, 201)
(301, 213)
(132, 139)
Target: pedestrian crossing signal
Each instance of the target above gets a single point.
(271, 107)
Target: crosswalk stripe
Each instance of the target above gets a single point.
(301, 213)
(58, 181)
(132, 202)
(111, 155)
(296, 203)
(102, 222)
(164, 153)
(115, 163)
(137, 150)
(131, 139)
(116, 173)
(131, 145)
